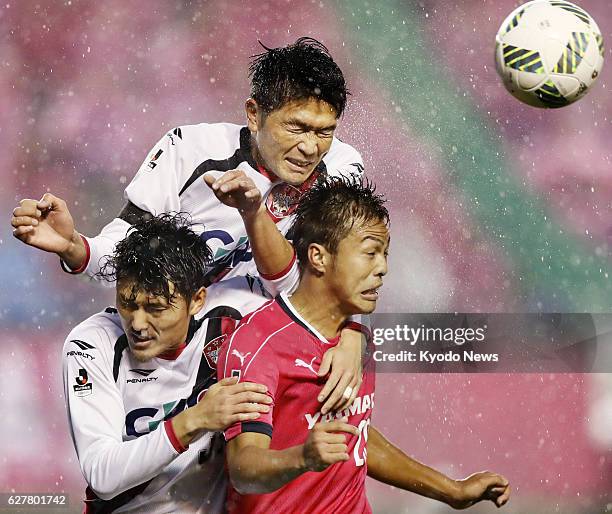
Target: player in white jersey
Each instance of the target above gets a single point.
(143, 406)
(298, 93)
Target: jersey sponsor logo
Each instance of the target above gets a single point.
(239, 252)
(360, 406)
(154, 158)
(83, 387)
(227, 255)
(211, 350)
(282, 200)
(241, 356)
(143, 372)
(303, 364)
(82, 344)
(143, 420)
(76, 353)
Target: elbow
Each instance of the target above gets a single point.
(102, 484)
(242, 484)
(103, 490)
(246, 483)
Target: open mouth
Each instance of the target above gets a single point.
(140, 339)
(370, 294)
(298, 164)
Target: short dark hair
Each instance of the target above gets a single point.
(158, 250)
(304, 69)
(329, 210)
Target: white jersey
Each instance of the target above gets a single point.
(118, 410)
(170, 179)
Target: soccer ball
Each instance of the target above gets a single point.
(549, 52)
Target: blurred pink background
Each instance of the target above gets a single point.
(87, 88)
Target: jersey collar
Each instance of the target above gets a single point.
(284, 303)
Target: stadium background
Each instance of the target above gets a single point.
(496, 207)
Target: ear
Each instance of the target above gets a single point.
(197, 301)
(251, 109)
(319, 258)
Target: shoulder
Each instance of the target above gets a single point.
(343, 159)
(260, 327)
(97, 334)
(216, 139)
(257, 348)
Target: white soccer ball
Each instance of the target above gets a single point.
(549, 53)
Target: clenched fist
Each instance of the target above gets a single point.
(235, 189)
(46, 224)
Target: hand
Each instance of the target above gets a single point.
(47, 224)
(482, 486)
(236, 190)
(228, 402)
(325, 446)
(345, 361)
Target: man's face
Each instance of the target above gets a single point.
(292, 140)
(357, 269)
(152, 324)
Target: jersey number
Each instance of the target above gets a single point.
(360, 451)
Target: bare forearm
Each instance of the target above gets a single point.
(390, 465)
(255, 470)
(75, 253)
(271, 251)
(185, 427)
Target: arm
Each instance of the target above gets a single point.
(390, 465)
(47, 224)
(225, 403)
(96, 417)
(277, 265)
(272, 253)
(255, 469)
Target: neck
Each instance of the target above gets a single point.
(317, 305)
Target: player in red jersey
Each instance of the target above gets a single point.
(294, 458)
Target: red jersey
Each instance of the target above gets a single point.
(276, 347)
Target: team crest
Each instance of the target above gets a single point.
(211, 350)
(282, 200)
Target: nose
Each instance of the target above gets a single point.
(139, 320)
(308, 145)
(382, 266)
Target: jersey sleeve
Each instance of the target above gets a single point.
(248, 356)
(344, 161)
(96, 417)
(155, 188)
(103, 245)
(286, 281)
(360, 323)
